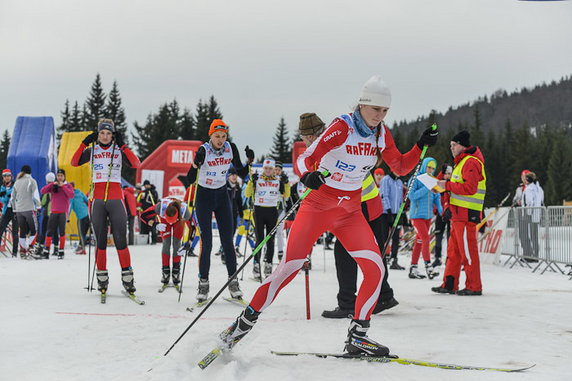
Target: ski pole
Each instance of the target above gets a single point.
(415, 173)
(480, 224)
(307, 281)
(231, 278)
(191, 236)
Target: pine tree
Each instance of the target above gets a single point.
(187, 125)
(202, 122)
(76, 120)
(281, 149)
(95, 105)
(115, 111)
(559, 185)
(159, 127)
(4, 147)
(65, 114)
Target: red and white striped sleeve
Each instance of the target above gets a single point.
(335, 135)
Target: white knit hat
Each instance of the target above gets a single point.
(375, 93)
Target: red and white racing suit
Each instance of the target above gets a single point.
(336, 207)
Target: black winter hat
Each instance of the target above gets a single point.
(232, 171)
(61, 171)
(278, 164)
(27, 169)
(146, 182)
(463, 138)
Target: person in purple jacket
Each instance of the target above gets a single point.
(61, 193)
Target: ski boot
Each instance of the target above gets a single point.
(23, 253)
(395, 265)
(267, 269)
(414, 273)
(338, 313)
(55, 252)
(80, 250)
(203, 292)
(166, 275)
(235, 291)
(61, 254)
(127, 280)
(437, 262)
(241, 326)
(431, 273)
(357, 342)
(256, 271)
(176, 273)
(447, 288)
(102, 280)
(41, 252)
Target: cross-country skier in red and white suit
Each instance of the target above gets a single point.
(348, 149)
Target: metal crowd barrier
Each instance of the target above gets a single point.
(537, 236)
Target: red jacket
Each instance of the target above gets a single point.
(130, 201)
(472, 173)
(445, 196)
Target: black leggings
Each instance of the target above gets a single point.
(207, 202)
(265, 217)
(347, 269)
(27, 223)
(56, 225)
(8, 217)
(105, 213)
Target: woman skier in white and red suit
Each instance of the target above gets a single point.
(107, 208)
(348, 149)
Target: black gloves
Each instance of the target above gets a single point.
(3, 193)
(249, 154)
(447, 215)
(254, 177)
(313, 180)
(55, 188)
(428, 138)
(200, 156)
(90, 138)
(119, 139)
(388, 211)
(284, 178)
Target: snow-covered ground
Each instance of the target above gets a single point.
(51, 328)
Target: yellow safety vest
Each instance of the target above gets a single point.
(474, 201)
(368, 189)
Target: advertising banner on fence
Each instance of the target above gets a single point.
(490, 242)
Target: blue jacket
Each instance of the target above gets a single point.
(422, 199)
(391, 192)
(5, 199)
(79, 204)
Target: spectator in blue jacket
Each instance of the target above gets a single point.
(391, 193)
(7, 214)
(423, 203)
(79, 204)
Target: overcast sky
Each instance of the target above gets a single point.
(264, 59)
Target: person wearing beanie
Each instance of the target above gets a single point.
(282, 206)
(25, 201)
(169, 216)
(106, 152)
(423, 203)
(8, 215)
(378, 175)
(266, 190)
(148, 199)
(467, 188)
(442, 222)
(235, 195)
(210, 166)
(60, 193)
(348, 149)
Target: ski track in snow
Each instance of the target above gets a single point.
(53, 329)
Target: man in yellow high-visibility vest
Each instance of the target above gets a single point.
(467, 187)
